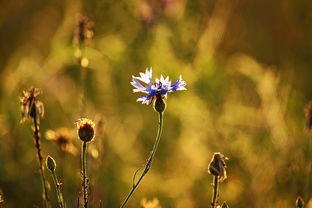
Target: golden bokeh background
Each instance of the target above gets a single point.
(247, 65)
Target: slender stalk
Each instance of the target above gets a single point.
(308, 179)
(149, 161)
(60, 198)
(215, 192)
(36, 137)
(84, 174)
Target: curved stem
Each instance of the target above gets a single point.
(60, 198)
(40, 161)
(84, 174)
(215, 192)
(149, 161)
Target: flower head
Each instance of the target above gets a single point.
(159, 88)
(217, 166)
(85, 129)
(63, 137)
(31, 107)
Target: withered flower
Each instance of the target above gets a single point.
(308, 116)
(85, 129)
(83, 32)
(299, 202)
(31, 107)
(217, 166)
(63, 137)
(154, 203)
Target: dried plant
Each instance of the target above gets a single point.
(32, 108)
(217, 169)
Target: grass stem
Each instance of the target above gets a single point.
(84, 174)
(149, 161)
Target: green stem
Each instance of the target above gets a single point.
(40, 161)
(149, 161)
(215, 192)
(60, 198)
(84, 174)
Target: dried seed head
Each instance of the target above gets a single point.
(308, 116)
(83, 33)
(50, 163)
(217, 166)
(85, 129)
(159, 104)
(299, 202)
(31, 107)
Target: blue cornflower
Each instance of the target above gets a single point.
(159, 89)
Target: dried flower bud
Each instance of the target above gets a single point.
(50, 163)
(31, 107)
(308, 116)
(83, 32)
(217, 166)
(224, 205)
(159, 104)
(85, 129)
(299, 202)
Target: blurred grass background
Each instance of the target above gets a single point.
(247, 65)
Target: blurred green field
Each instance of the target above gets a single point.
(248, 69)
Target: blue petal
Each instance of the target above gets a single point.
(146, 77)
(178, 85)
(135, 83)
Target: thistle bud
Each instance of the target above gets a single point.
(159, 104)
(299, 202)
(50, 163)
(217, 166)
(85, 129)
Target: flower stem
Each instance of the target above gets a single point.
(309, 167)
(84, 174)
(215, 192)
(40, 161)
(60, 198)
(149, 161)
